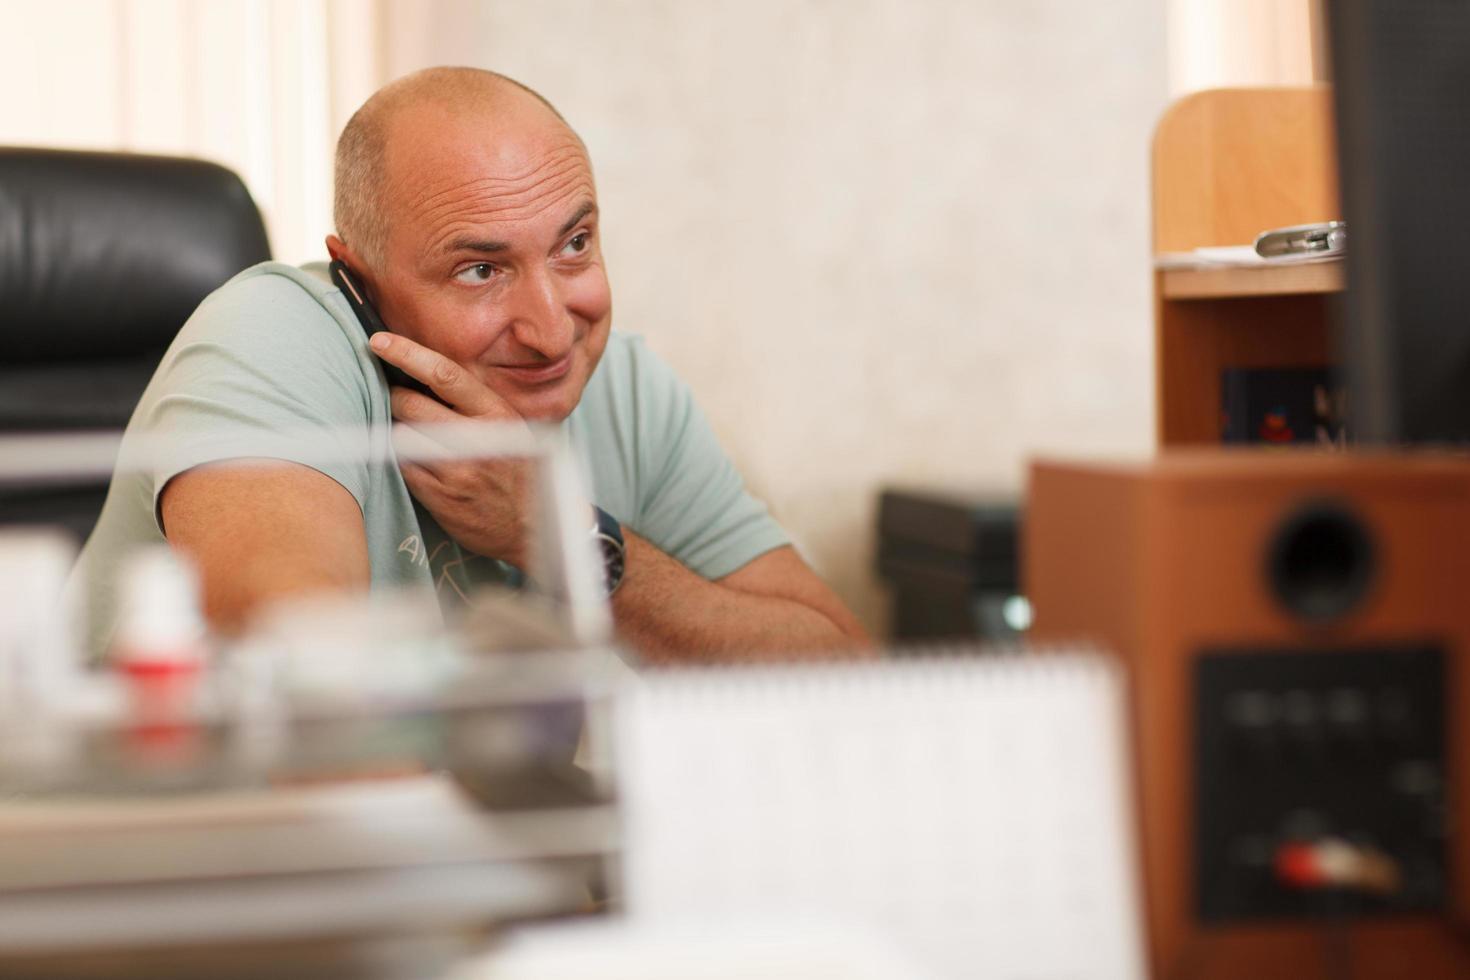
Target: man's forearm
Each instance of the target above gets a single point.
(669, 613)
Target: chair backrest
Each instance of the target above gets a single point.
(103, 256)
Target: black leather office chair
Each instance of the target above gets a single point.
(103, 256)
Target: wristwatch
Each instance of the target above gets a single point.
(608, 534)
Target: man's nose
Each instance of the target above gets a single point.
(540, 318)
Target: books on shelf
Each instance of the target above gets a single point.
(1282, 406)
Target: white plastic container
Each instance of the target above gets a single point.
(160, 645)
(38, 655)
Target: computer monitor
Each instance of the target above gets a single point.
(1401, 71)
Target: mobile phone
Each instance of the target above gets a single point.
(367, 315)
(1324, 238)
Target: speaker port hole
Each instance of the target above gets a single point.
(1322, 562)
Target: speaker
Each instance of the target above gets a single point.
(1294, 626)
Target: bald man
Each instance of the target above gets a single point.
(465, 207)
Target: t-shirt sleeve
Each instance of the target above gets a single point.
(261, 370)
(694, 505)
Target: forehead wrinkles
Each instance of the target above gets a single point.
(468, 214)
(509, 194)
(475, 202)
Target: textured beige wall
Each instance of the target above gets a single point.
(884, 241)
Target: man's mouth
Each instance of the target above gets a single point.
(538, 373)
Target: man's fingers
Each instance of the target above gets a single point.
(414, 475)
(413, 448)
(420, 479)
(413, 406)
(458, 438)
(453, 385)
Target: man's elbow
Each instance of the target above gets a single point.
(850, 637)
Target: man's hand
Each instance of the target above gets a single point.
(773, 607)
(483, 504)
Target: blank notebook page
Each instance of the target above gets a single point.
(972, 811)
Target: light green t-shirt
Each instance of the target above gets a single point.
(277, 349)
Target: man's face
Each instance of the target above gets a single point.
(493, 256)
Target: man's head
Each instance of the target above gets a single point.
(467, 203)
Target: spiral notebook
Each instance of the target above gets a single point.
(973, 811)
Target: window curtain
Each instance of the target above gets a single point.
(1234, 43)
(260, 86)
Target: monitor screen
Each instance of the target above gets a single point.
(1401, 71)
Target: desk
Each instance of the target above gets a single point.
(403, 857)
(407, 956)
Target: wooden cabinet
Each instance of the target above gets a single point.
(1227, 165)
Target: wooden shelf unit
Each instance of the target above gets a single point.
(1227, 165)
(1228, 283)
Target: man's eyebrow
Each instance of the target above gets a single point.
(475, 245)
(485, 245)
(576, 219)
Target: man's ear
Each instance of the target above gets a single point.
(340, 252)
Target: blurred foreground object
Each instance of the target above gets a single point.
(727, 951)
(91, 863)
(352, 769)
(37, 630)
(1294, 627)
(160, 648)
(971, 812)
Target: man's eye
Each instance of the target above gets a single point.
(477, 273)
(577, 243)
